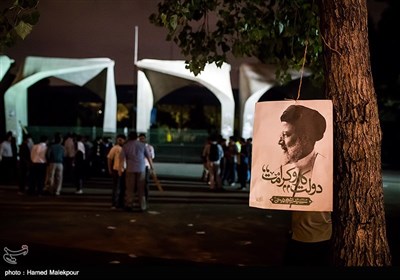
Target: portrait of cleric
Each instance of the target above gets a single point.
(302, 127)
(294, 172)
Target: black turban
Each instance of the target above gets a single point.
(306, 121)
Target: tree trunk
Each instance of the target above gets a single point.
(359, 227)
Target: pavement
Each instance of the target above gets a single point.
(188, 231)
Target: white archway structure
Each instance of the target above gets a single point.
(157, 78)
(255, 79)
(94, 73)
(5, 63)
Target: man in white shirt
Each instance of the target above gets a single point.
(70, 152)
(7, 164)
(302, 127)
(39, 166)
(150, 149)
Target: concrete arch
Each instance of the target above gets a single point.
(94, 73)
(255, 79)
(5, 63)
(157, 78)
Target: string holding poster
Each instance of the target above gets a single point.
(292, 165)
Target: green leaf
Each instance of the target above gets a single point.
(174, 22)
(272, 31)
(23, 29)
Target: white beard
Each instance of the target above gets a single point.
(293, 153)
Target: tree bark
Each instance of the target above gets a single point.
(359, 226)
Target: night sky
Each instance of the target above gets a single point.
(106, 28)
(100, 28)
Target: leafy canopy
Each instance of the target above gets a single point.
(275, 31)
(17, 18)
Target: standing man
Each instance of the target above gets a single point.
(242, 164)
(7, 166)
(70, 151)
(311, 232)
(39, 166)
(79, 165)
(24, 163)
(150, 149)
(55, 158)
(134, 153)
(113, 164)
(214, 154)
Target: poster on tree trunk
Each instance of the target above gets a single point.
(292, 165)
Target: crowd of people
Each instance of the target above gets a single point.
(44, 167)
(227, 163)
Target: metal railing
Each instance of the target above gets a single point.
(170, 145)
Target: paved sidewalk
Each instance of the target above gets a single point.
(188, 231)
(181, 231)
